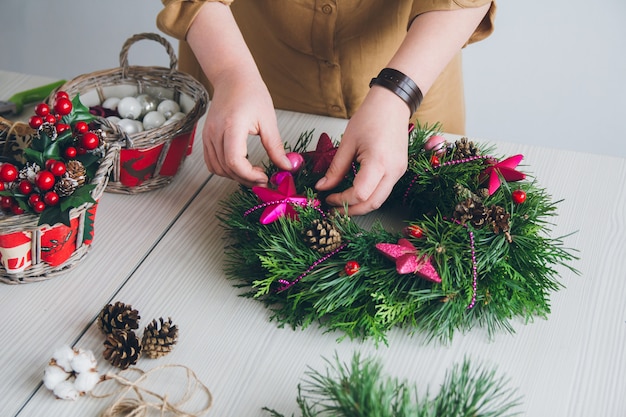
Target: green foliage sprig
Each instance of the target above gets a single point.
(361, 389)
(517, 269)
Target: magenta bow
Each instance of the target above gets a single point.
(280, 202)
(323, 154)
(506, 168)
(408, 260)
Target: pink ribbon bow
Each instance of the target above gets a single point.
(280, 202)
(408, 260)
(504, 168)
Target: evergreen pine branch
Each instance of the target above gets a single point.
(360, 389)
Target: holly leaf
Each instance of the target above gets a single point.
(78, 197)
(54, 215)
(34, 156)
(79, 112)
(51, 152)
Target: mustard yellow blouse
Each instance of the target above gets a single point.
(318, 56)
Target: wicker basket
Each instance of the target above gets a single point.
(29, 252)
(149, 159)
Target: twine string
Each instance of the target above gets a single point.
(126, 406)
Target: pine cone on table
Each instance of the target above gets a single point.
(159, 340)
(322, 236)
(122, 348)
(118, 316)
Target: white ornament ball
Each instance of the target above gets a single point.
(129, 108)
(153, 120)
(129, 126)
(111, 103)
(148, 103)
(168, 108)
(113, 119)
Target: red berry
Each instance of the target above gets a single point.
(38, 206)
(26, 187)
(57, 168)
(35, 122)
(351, 267)
(70, 152)
(8, 172)
(518, 196)
(63, 106)
(90, 141)
(51, 198)
(6, 202)
(2, 186)
(42, 109)
(33, 198)
(81, 127)
(62, 127)
(16, 209)
(44, 180)
(50, 118)
(434, 161)
(61, 94)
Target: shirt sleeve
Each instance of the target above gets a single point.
(484, 29)
(177, 16)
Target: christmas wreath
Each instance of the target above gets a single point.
(473, 251)
(361, 389)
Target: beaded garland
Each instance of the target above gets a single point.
(467, 254)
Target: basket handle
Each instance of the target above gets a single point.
(150, 36)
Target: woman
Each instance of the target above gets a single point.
(321, 56)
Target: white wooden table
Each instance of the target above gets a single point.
(162, 252)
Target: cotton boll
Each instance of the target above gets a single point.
(54, 375)
(86, 381)
(63, 357)
(66, 391)
(84, 361)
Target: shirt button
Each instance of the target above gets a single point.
(327, 9)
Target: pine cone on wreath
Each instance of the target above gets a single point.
(158, 340)
(322, 236)
(473, 211)
(122, 348)
(118, 316)
(499, 220)
(76, 171)
(464, 148)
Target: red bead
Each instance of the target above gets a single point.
(44, 180)
(434, 161)
(415, 231)
(8, 172)
(351, 267)
(518, 196)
